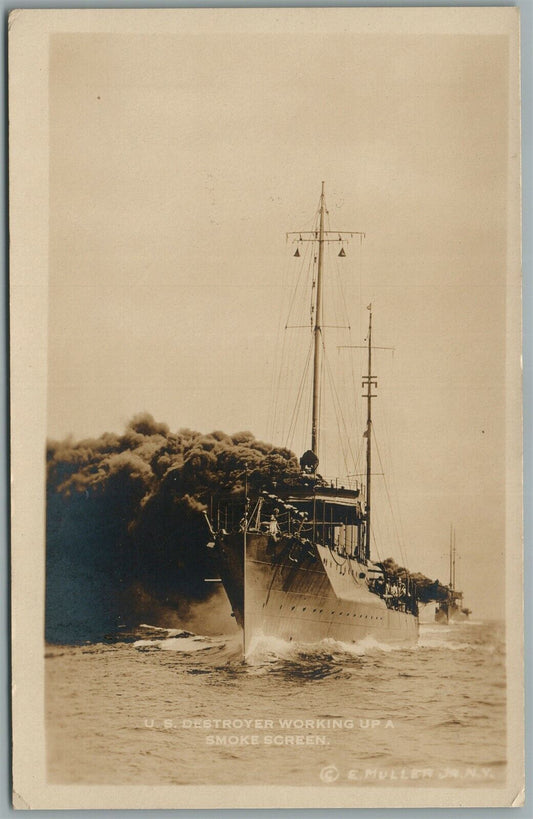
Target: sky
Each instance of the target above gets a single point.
(178, 162)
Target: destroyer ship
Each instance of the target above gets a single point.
(296, 562)
(451, 609)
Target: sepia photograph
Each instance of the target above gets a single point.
(266, 403)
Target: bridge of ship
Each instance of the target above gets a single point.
(334, 517)
(331, 516)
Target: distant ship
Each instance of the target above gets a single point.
(451, 609)
(296, 562)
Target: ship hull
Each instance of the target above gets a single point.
(306, 594)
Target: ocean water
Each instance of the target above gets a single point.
(171, 707)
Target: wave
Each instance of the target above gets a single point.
(267, 652)
(221, 650)
(265, 649)
(448, 645)
(167, 632)
(170, 639)
(184, 644)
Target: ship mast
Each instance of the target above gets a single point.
(369, 381)
(317, 330)
(451, 556)
(453, 561)
(319, 236)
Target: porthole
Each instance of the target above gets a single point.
(304, 608)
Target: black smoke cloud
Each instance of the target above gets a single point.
(126, 533)
(427, 590)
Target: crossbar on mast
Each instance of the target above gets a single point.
(314, 235)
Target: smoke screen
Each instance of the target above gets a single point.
(125, 530)
(126, 533)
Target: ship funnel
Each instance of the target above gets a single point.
(309, 462)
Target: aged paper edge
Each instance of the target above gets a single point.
(28, 192)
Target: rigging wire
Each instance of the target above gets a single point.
(304, 443)
(296, 409)
(343, 303)
(334, 305)
(311, 277)
(338, 307)
(385, 482)
(322, 431)
(296, 315)
(342, 322)
(375, 546)
(396, 507)
(337, 406)
(348, 378)
(293, 297)
(275, 381)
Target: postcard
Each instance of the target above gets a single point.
(266, 408)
